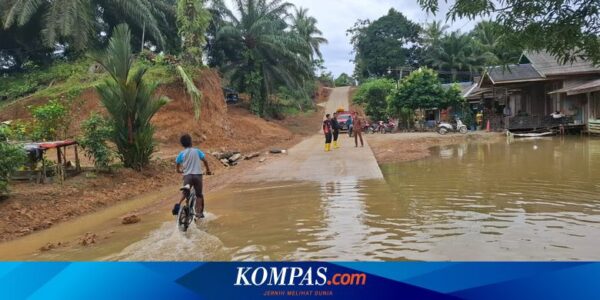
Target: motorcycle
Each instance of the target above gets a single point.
(366, 128)
(384, 127)
(388, 127)
(370, 128)
(445, 127)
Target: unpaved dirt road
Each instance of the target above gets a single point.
(307, 161)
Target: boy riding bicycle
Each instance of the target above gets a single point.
(188, 163)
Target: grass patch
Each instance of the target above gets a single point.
(68, 78)
(59, 78)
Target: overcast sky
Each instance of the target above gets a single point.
(336, 16)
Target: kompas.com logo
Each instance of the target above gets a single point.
(295, 276)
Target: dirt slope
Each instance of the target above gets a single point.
(32, 207)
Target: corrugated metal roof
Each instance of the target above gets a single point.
(513, 73)
(569, 84)
(591, 86)
(548, 65)
(477, 92)
(465, 87)
(586, 87)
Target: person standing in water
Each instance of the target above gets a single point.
(358, 127)
(335, 126)
(327, 130)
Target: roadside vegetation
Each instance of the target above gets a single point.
(420, 58)
(130, 100)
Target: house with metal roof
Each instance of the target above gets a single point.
(523, 95)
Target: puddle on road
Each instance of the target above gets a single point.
(528, 200)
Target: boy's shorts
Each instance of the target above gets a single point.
(194, 180)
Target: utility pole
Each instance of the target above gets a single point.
(400, 71)
(143, 36)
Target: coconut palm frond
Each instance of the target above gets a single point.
(21, 12)
(192, 90)
(74, 21)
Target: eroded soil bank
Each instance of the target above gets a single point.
(34, 207)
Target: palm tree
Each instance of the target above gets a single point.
(306, 27)
(489, 37)
(432, 34)
(457, 53)
(76, 21)
(130, 101)
(269, 53)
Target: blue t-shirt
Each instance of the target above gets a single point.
(191, 161)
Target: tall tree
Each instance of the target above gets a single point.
(489, 37)
(218, 51)
(569, 29)
(457, 53)
(270, 53)
(192, 22)
(130, 101)
(306, 27)
(432, 34)
(344, 80)
(389, 42)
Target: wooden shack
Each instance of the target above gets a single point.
(539, 85)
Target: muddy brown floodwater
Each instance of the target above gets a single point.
(518, 200)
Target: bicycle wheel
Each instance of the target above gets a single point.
(183, 218)
(192, 208)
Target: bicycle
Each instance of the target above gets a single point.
(187, 213)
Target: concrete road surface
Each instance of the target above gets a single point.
(307, 161)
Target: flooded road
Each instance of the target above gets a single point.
(527, 200)
(524, 200)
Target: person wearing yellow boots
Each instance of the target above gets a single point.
(327, 130)
(335, 126)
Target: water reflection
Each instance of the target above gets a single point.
(523, 200)
(343, 232)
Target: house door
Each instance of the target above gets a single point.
(515, 104)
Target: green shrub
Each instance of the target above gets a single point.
(422, 89)
(289, 101)
(130, 100)
(18, 131)
(50, 121)
(96, 132)
(373, 95)
(4, 132)
(11, 158)
(468, 118)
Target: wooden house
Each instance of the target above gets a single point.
(538, 86)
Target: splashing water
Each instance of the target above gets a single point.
(168, 243)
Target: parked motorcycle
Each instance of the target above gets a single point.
(445, 127)
(367, 128)
(388, 127)
(384, 127)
